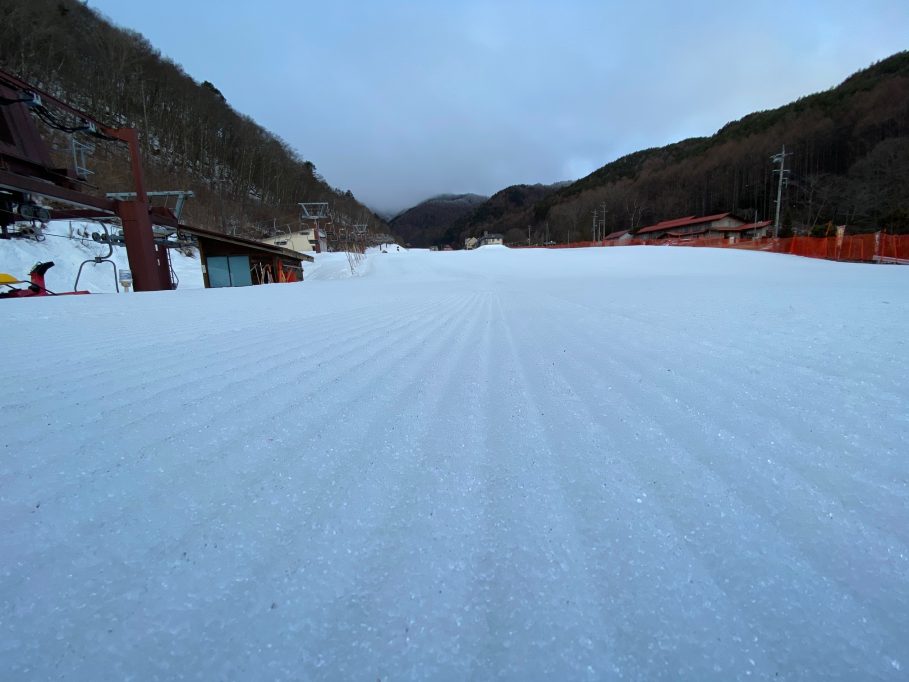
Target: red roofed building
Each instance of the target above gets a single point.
(692, 226)
(747, 231)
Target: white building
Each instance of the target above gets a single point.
(306, 239)
(491, 239)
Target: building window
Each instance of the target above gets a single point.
(229, 271)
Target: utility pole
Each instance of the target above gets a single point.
(603, 229)
(594, 230)
(781, 160)
(528, 235)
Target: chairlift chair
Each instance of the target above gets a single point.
(101, 259)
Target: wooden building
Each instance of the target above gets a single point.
(745, 232)
(691, 226)
(231, 261)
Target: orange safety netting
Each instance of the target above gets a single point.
(864, 248)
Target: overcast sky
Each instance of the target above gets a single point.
(402, 100)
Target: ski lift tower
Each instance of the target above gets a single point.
(360, 230)
(314, 211)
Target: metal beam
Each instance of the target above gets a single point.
(20, 183)
(181, 195)
(19, 84)
(79, 214)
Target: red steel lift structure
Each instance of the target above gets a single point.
(26, 170)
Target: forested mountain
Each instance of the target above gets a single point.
(191, 137)
(503, 213)
(426, 223)
(849, 164)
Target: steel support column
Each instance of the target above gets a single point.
(148, 261)
(144, 259)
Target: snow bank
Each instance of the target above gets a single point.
(334, 265)
(626, 463)
(341, 265)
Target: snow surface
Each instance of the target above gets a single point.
(636, 463)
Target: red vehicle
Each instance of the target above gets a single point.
(35, 286)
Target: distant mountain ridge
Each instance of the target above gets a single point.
(502, 214)
(425, 224)
(447, 219)
(458, 198)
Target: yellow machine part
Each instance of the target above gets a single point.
(9, 279)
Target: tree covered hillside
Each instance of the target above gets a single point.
(504, 213)
(849, 161)
(426, 223)
(191, 137)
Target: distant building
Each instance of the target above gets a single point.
(748, 231)
(692, 226)
(490, 239)
(618, 236)
(303, 240)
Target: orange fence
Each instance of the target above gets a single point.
(863, 248)
(894, 247)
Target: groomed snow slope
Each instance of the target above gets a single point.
(635, 463)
